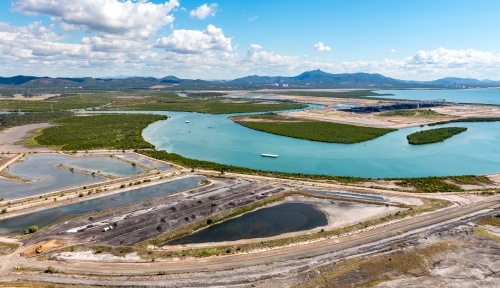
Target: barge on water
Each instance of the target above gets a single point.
(269, 155)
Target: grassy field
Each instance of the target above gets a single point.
(86, 101)
(346, 94)
(144, 102)
(411, 113)
(315, 130)
(12, 120)
(433, 135)
(115, 131)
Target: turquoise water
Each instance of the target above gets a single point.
(64, 213)
(218, 139)
(484, 96)
(42, 169)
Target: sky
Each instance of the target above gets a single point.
(226, 39)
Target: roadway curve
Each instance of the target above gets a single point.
(258, 258)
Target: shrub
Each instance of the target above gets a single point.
(80, 195)
(51, 270)
(33, 229)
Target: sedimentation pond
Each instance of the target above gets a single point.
(60, 214)
(42, 170)
(265, 222)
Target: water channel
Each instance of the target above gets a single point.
(265, 222)
(216, 138)
(60, 214)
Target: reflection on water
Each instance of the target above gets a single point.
(64, 213)
(42, 168)
(266, 222)
(144, 161)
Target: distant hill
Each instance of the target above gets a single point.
(309, 79)
(464, 81)
(318, 78)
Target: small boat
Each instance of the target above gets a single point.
(269, 155)
(187, 121)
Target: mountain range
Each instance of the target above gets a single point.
(309, 79)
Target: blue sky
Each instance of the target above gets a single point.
(224, 39)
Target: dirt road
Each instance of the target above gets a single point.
(255, 259)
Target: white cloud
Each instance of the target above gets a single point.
(204, 11)
(114, 45)
(37, 50)
(194, 41)
(321, 47)
(253, 18)
(393, 50)
(124, 18)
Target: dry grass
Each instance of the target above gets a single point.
(368, 272)
(484, 233)
(7, 248)
(493, 221)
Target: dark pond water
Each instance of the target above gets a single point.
(266, 222)
(64, 213)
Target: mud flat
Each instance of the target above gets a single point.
(11, 136)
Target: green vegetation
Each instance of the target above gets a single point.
(471, 120)
(207, 165)
(442, 184)
(412, 112)
(426, 184)
(433, 135)
(346, 94)
(31, 230)
(87, 101)
(151, 101)
(315, 130)
(110, 131)
(12, 120)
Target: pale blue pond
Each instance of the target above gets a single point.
(42, 169)
(64, 213)
(484, 96)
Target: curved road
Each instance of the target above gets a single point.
(267, 257)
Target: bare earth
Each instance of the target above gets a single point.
(9, 137)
